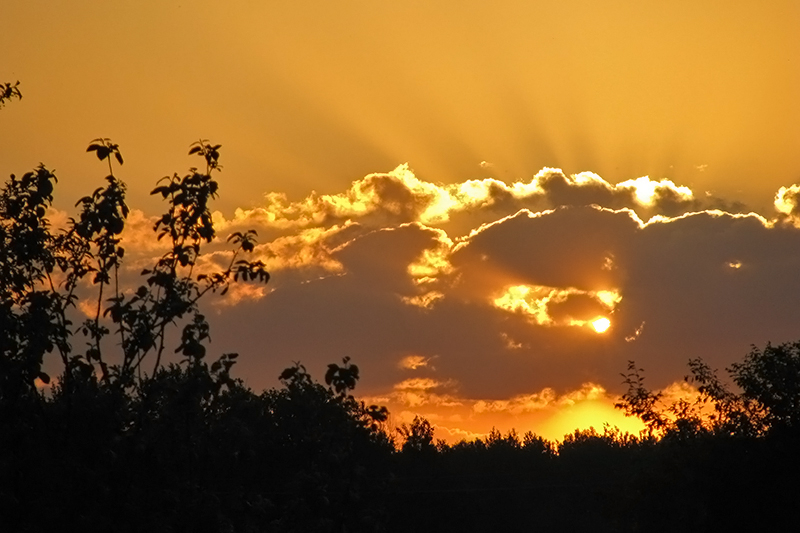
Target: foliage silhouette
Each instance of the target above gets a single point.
(8, 91)
(417, 437)
(770, 383)
(768, 401)
(42, 271)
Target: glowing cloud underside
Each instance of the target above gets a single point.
(433, 262)
(535, 302)
(413, 362)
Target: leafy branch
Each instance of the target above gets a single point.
(42, 273)
(9, 91)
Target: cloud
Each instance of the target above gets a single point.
(414, 362)
(239, 292)
(418, 392)
(544, 412)
(521, 293)
(422, 384)
(518, 404)
(787, 204)
(310, 249)
(399, 196)
(566, 247)
(547, 306)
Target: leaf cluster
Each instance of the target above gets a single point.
(8, 91)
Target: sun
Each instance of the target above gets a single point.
(601, 324)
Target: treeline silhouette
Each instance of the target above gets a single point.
(106, 425)
(722, 461)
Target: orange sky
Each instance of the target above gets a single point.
(314, 96)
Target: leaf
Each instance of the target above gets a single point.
(44, 378)
(288, 373)
(331, 373)
(102, 152)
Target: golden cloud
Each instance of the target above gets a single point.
(524, 403)
(416, 392)
(413, 362)
(544, 412)
(307, 248)
(240, 292)
(588, 391)
(422, 384)
(787, 204)
(423, 301)
(536, 302)
(648, 192)
(399, 196)
(433, 262)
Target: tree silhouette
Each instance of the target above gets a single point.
(101, 400)
(770, 383)
(417, 436)
(42, 270)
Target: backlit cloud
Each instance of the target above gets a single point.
(787, 204)
(530, 297)
(399, 196)
(413, 362)
(549, 306)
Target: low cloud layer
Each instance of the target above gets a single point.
(487, 303)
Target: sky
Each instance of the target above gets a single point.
(456, 194)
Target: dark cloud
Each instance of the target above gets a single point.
(506, 310)
(568, 247)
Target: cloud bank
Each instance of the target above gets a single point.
(512, 304)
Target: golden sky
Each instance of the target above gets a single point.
(431, 134)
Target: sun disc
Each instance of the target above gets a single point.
(601, 325)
